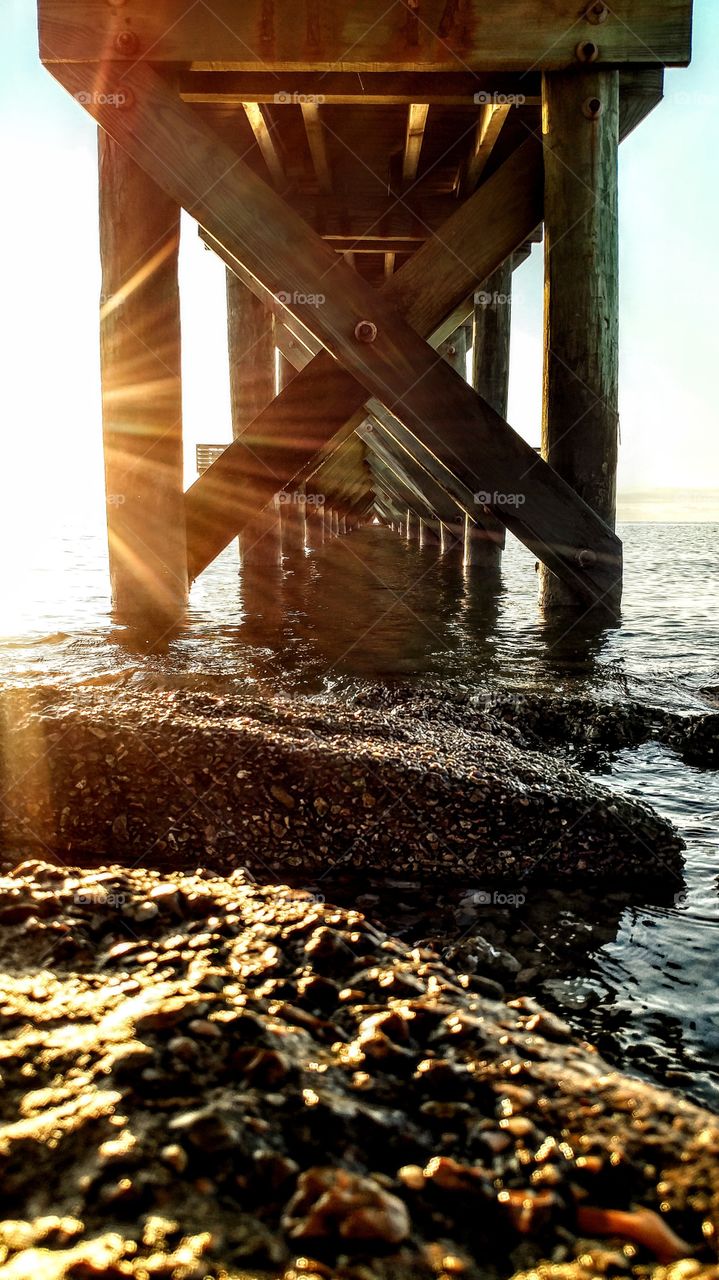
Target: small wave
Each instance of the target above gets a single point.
(34, 642)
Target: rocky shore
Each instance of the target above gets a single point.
(207, 1078)
(295, 789)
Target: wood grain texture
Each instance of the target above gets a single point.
(580, 426)
(491, 334)
(324, 400)
(141, 390)
(368, 35)
(452, 425)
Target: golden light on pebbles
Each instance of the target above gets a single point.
(310, 1098)
(443, 1262)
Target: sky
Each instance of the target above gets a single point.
(50, 274)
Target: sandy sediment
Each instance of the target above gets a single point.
(206, 1078)
(295, 788)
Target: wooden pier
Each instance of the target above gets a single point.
(371, 175)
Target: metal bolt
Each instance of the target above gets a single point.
(127, 43)
(365, 331)
(586, 559)
(587, 51)
(592, 108)
(597, 13)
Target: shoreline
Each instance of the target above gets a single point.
(209, 1078)
(167, 777)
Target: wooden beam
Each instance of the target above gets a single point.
(303, 420)
(641, 89)
(141, 391)
(489, 126)
(450, 422)
(366, 36)
(267, 142)
(313, 411)
(318, 145)
(346, 88)
(416, 123)
(382, 446)
(581, 363)
(390, 259)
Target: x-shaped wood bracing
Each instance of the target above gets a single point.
(456, 432)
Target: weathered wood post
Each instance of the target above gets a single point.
(294, 520)
(250, 338)
(141, 391)
(489, 375)
(491, 332)
(580, 125)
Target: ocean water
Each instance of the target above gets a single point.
(372, 607)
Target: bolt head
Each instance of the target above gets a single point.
(593, 108)
(586, 559)
(597, 13)
(127, 43)
(365, 331)
(587, 51)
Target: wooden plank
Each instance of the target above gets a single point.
(267, 142)
(390, 259)
(318, 145)
(366, 36)
(641, 89)
(345, 88)
(580, 429)
(416, 124)
(448, 419)
(489, 126)
(141, 391)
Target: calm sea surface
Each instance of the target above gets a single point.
(371, 607)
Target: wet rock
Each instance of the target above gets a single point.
(331, 1202)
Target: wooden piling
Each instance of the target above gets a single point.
(141, 391)
(293, 514)
(491, 331)
(251, 346)
(580, 124)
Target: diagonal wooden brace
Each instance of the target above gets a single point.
(430, 291)
(455, 426)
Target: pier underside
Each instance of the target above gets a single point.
(370, 176)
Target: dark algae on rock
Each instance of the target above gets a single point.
(202, 1077)
(298, 787)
